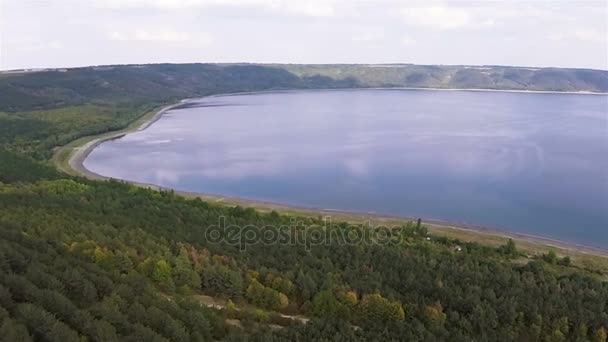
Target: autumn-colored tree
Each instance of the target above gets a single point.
(601, 335)
(376, 308)
(434, 314)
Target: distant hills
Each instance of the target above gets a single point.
(461, 77)
(51, 88)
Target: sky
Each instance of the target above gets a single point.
(68, 33)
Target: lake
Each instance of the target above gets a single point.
(520, 162)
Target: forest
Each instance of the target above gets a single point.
(86, 260)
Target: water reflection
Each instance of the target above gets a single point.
(535, 163)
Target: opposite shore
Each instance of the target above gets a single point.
(520, 91)
(70, 159)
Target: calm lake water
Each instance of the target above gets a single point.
(529, 163)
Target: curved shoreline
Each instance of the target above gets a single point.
(516, 91)
(84, 146)
(79, 154)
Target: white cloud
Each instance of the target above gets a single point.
(407, 40)
(581, 34)
(159, 35)
(31, 47)
(168, 4)
(534, 33)
(315, 8)
(368, 37)
(443, 17)
(590, 35)
(437, 17)
(311, 8)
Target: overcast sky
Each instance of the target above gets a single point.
(64, 33)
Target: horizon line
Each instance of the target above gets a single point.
(387, 64)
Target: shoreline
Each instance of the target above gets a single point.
(77, 152)
(504, 90)
(80, 153)
(517, 91)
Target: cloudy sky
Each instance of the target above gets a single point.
(64, 33)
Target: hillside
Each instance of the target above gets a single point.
(144, 83)
(461, 77)
(85, 260)
(137, 84)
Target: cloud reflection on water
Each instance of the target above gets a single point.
(527, 161)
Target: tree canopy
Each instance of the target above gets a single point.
(108, 261)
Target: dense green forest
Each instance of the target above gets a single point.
(85, 260)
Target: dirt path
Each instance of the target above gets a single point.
(215, 303)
